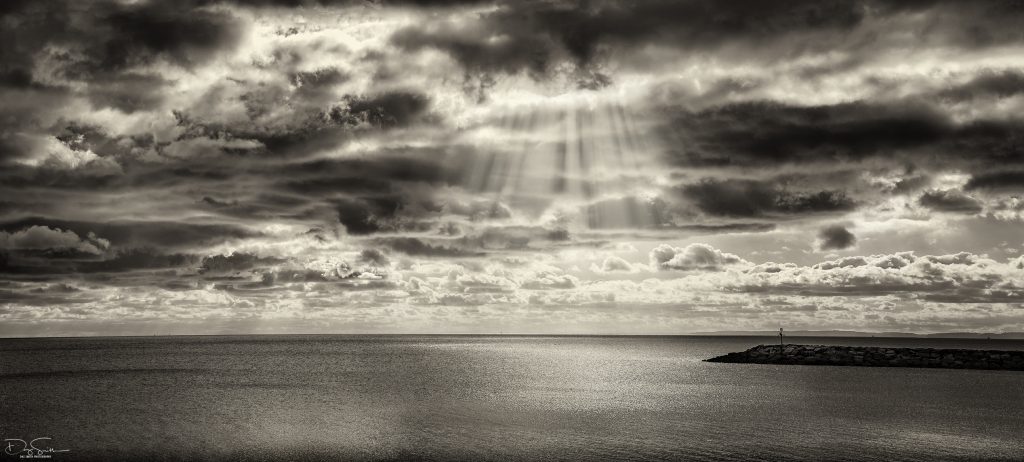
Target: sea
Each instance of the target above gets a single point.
(491, 398)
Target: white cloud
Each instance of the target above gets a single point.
(692, 257)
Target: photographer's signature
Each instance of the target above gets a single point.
(38, 448)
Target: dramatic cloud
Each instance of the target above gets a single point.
(743, 198)
(996, 181)
(536, 166)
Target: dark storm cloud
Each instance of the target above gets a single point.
(387, 192)
(514, 238)
(749, 198)
(533, 34)
(949, 201)
(996, 181)
(367, 215)
(315, 123)
(835, 237)
(391, 109)
(911, 184)
(99, 51)
(724, 228)
(264, 206)
(109, 36)
(349, 185)
(374, 257)
(60, 264)
(419, 247)
(768, 133)
(988, 84)
(536, 35)
(525, 51)
(84, 137)
(146, 31)
(774, 134)
(317, 119)
(383, 173)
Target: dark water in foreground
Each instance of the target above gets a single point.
(493, 398)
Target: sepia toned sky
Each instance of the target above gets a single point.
(275, 166)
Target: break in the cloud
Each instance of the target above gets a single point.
(540, 166)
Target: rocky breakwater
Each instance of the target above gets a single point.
(823, 355)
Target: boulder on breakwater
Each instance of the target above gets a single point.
(827, 355)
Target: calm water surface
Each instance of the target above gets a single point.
(493, 398)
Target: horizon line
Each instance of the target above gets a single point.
(768, 333)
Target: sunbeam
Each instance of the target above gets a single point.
(584, 154)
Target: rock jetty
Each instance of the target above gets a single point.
(823, 355)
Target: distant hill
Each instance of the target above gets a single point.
(853, 333)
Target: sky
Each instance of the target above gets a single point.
(460, 166)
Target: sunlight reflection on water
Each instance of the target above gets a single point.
(493, 398)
